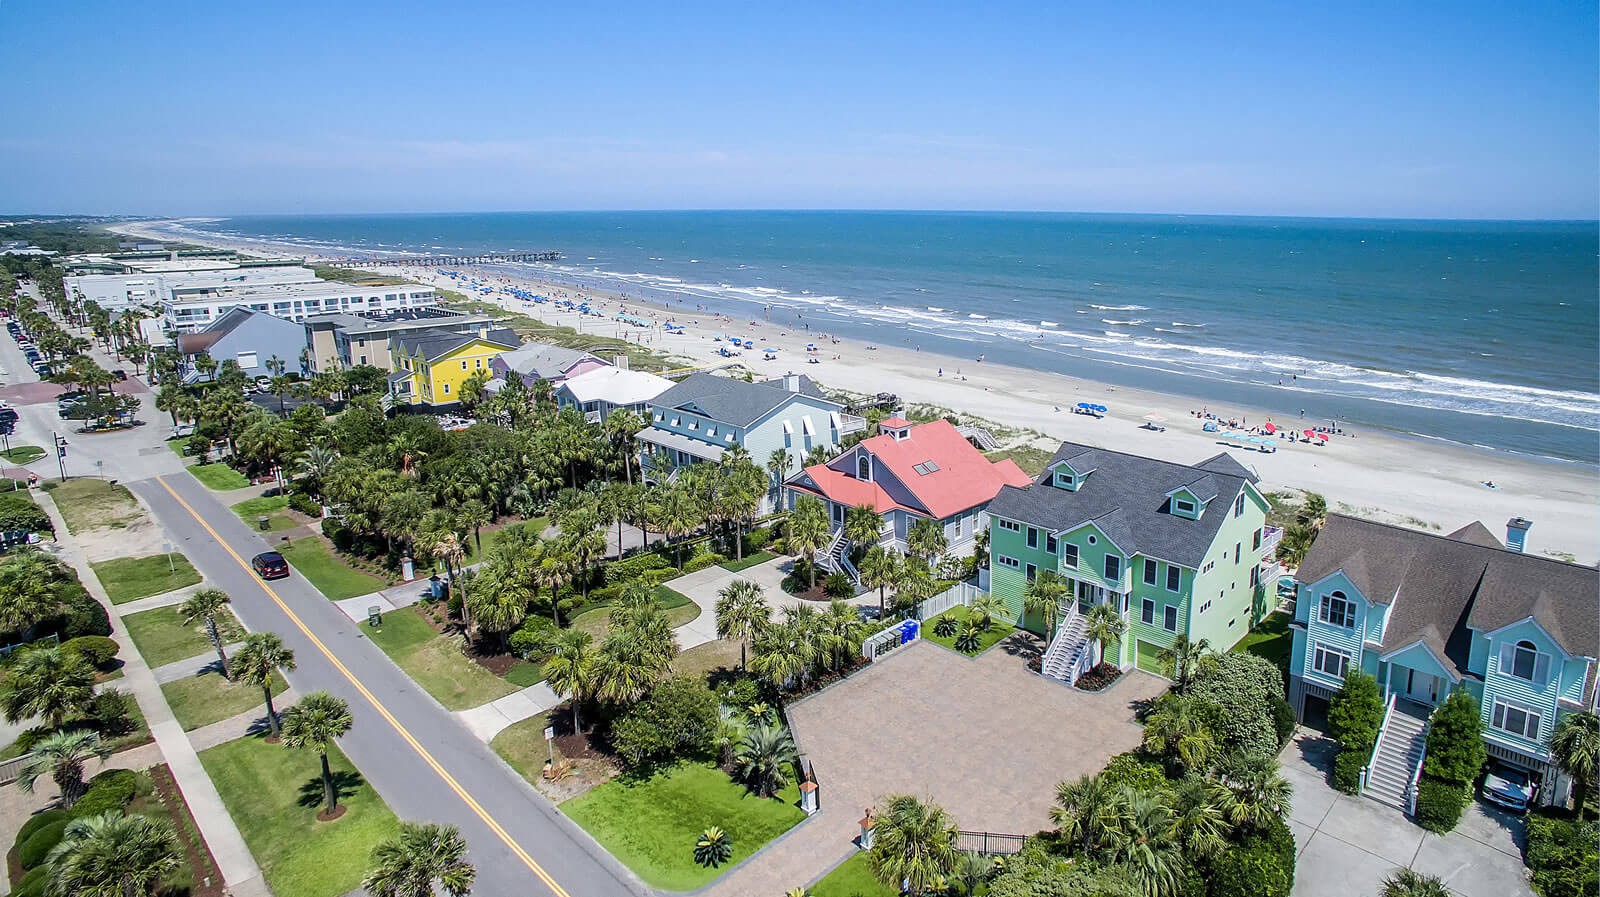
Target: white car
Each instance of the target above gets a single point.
(1508, 787)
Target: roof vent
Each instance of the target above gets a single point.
(1517, 532)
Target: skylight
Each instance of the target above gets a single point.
(925, 467)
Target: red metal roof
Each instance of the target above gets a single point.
(960, 478)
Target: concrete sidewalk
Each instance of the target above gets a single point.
(165, 599)
(193, 666)
(234, 860)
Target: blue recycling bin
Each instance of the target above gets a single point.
(435, 588)
(908, 631)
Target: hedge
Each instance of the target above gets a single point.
(97, 650)
(305, 504)
(109, 791)
(1440, 803)
(32, 884)
(702, 561)
(39, 844)
(1562, 856)
(1347, 770)
(17, 511)
(1262, 865)
(634, 567)
(36, 822)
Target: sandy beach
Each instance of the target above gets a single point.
(1405, 480)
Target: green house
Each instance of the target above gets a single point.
(1174, 548)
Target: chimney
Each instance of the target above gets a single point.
(620, 360)
(791, 382)
(1517, 532)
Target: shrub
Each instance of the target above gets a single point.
(969, 639)
(1136, 771)
(305, 504)
(97, 650)
(1099, 676)
(1283, 721)
(1455, 740)
(1440, 803)
(946, 626)
(38, 846)
(702, 561)
(112, 712)
(1244, 687)
(109, 791)
(340, 535)
(1355, 712)
(18, 512)
(1562, 856)
(838, 585)
(1347, 770)
(678, 719)
(38, 821)
(632, 568)
(32, 884)
(30, 737)
(198, 445)
(1256, 868)
(529, 640)
(740, 693)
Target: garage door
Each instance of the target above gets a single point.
(1147, 657)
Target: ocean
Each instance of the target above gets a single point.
(1477, 332)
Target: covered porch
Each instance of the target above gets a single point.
(1414, 674)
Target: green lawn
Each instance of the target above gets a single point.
(208, 698)
(162, 638)
(271, 507)
(178, 446)
(23, 454)
(597, 622)
(1270, 639)
(668, 597)
(998, 630)
(523, 746)
(219, 476)
(705, 659)
(127, 579)
(274, 794)
(750, 560)
(435, 661)
(87, 502)
(852, 878)
(651, 825)
(524, 673)
(317, 562)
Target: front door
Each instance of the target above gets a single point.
(1421, 687)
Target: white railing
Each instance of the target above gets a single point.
(1376, 745)
(11, 770)
(850, 423)
(1270, 537)
(849, 568)
(961, 593)
(884, 641)
(828, 559)
(1416, 775)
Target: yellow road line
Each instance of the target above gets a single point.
(383, 711)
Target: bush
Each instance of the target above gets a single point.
(32, 884)
(1283, 721)
(1136, 771)
(635, 567)
(1347, 770)
(702, 561)
(18, 512)
(97, 650)
(305, 504)
(838, 585)
(112, 712)
(740, 693)
(198, 445)
(1455, 740)
(38, 821)
(678, 719)
(529, 640)
(1244, 687)
(1440, 803)
(1355, 712)
(31, 737)
(38, 846)
(1256, 868)
(1562, 856)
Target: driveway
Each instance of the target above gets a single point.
(1350, 845)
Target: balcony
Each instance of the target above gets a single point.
(850, 423)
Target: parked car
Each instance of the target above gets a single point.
(182, 430)
(1508, 786)
(120, 374)
(270, 565)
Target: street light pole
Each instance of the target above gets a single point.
(61, 453)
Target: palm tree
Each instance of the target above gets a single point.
(1042, 598)
(1255, 794)
(258, 663)
(1575, 747)
(862, 525)
(982, 611)
(1184, 661)
(628, 664)
(1085, 810)
(1199, 822)
(842, 630)
(764, 757)
(1104, 626)
(879, 567)
(621, 426)
(742, 612)
(49, 683)
(927, 539)
(778, 465)
(914, 846)
(783, 652)
(27, 592)
(314, 723)
(422, 856)
(205, 605)
(1408, 882)
(497, 607)
(680, 514)
(1145, 846)
(572, 668)
(112, 855)
(62, 756)
(1175, 730)
(808, 531)
(551, 566)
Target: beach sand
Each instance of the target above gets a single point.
(1406, 480)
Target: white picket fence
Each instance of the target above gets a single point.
(959, 594)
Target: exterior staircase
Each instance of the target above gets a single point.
(1395, 759)
(1065, 654)
(832, 558)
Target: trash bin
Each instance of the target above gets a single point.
(435, 588)
(264, 523)
(908, 631)
(374, 615)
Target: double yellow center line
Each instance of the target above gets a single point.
(450, 780)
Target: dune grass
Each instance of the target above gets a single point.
(87, 502)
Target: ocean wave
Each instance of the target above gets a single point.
(1129, 323)
(1184, 324)
(1120, 307)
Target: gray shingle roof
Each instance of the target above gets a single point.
(431, 344)
(1126, 497)
(1440, 585)
(808, 386)
(725, 399)
(543, 360)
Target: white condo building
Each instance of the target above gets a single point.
(189, 309)
(115, 292)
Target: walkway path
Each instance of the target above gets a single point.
(165, 599)
(193, 666)
(234, 861)
(238, 726)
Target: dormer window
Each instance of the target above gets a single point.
(863, 467)
(1066, 480)
(1183, 507)
(1524, 661)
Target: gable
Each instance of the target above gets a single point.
(1526, 630)
(1336, 581)
(1419, 657)
(1081, 534)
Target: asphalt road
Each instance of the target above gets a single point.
(414, 752)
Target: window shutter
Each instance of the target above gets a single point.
(1541, 668)
(1323, 617)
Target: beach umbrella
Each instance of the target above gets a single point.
(1309, 434)
(1100, 408)
(1086, 406)
(1270, 427)
(1322, 436)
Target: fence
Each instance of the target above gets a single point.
(959, 594)
(47, 640)
(11, 769)
(990, 843)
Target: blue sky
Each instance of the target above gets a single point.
(1461, 109)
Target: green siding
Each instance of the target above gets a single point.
(1227, 584)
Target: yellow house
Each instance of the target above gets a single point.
(428, 367)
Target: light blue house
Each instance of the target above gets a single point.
(699, 418)
(252, 339)
(1426, 614)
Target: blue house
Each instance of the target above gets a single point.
(251, 339)
(699, 418)
(1427, 614)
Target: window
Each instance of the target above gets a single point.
(1338, 610)
(1113, 569)
(1516, 720)
(1205, 607)
(1238, 506)
(1050, 543)
(1524, 661)
(463, 364)
(1064, 479)
(1330, 663)
(447, 389)
(1033, 537)
(1013, 563)
(1174, 578)
(247, 360)
(1184, 507)
(863, 467)
(1237, 553)
(1091, 539)
(1069, 556)
(1255, 576)
(1150, 571)
(478, 363)
(1031, 572)
(1255, 540)
(1169, 618)
(1011, 525)
(1147, 612)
